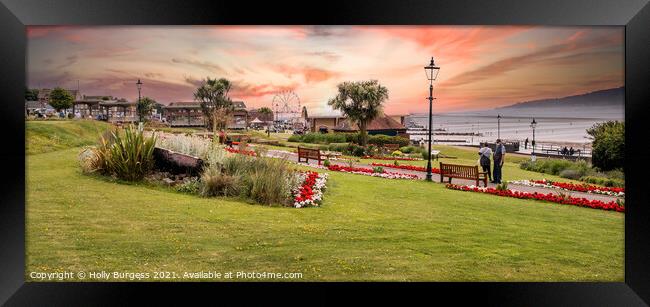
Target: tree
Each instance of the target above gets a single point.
(144, 107)
(360, 102)
(60, 99)
(215, 102)
(608, 145)
(265, 113)
(31, 94)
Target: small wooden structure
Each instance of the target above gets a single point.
(462, 172)
(308, 153)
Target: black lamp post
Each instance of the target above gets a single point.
(432, 73)
(533, 124)
(499, 126)
(137, 106)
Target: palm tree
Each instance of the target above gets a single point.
(360, 102)
(214, 99)
(266, 113)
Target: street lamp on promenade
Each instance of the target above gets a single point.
(533, 124)
(499, 126)
(137, 106)
(432, 73)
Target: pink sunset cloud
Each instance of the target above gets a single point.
(481, 66)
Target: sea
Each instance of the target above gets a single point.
(464, 129)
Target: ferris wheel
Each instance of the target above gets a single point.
(286, 106)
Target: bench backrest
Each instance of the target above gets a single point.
(465, 171)
(309, 153)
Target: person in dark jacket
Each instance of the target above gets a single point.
(499, 159)
(485, 153)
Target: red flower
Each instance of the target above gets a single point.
(239, 151)
(550, 197)
(408, 167)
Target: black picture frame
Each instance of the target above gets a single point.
(634, 15)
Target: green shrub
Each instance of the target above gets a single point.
(396, 153)
(320, 138)
(338, 137)
(608, 182)
(216, 183)
(502, 186)
(327, 163)
(411, 149)
(616, 174)
(131, 155)
(128, 155)
(608, 146)
(263, 180)
(378, 169)
(340, 147)
(268, 182)
(555, 166)
(570, 174)
(191, 187)
(380, 139)
(359, 151)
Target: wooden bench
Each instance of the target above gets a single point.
(308, 153)
(462, 172)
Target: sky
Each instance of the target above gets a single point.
(481, 67)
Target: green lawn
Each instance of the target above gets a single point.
(45, 136)
(367, 229)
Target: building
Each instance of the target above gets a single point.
(190, 114)
(383, 124)
(44, 94)
(240, 118)
(265, 117)
(184, 114)
(106, 107)
(329, 121)
(400, 118)
(33, 107)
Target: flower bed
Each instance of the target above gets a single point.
(392, 158)
(310, 192)
(241, 151)
(370, 172)
(550, 197)
(566, 186)
(408, 167)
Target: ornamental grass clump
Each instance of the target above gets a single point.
(130, 157)
(126, 154)
(189, 145)
(262, 180)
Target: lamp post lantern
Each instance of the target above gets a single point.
(137, 106)
(432, 73)
(533, 124)
(499, 126)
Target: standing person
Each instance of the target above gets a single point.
(499, 158)
(485, 153)
(571, 151)
(526, 144)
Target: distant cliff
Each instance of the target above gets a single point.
(610, 98)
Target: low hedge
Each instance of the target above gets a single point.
(608, 182)
(337, 137)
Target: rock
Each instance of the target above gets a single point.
(168, 181)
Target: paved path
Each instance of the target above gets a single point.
(522, 188)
